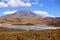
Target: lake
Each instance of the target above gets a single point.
(31, 27)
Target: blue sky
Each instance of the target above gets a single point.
(44, 8)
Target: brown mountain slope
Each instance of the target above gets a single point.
(22, 14)
(28, 17)
(21, 17)
(55, 22)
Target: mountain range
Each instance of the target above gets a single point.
(29, 17)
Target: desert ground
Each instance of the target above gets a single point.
(22, 34)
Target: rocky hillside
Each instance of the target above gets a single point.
(21, 17)
(55, 22)
(22, 14)
(28, 17)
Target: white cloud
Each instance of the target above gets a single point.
(9, 12)
(14, 3)
(28, 4)
(35, 3)
(2, 4)
(43, 13)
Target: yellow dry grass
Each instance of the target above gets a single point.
(52, 34)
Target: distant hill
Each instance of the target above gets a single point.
(28, 17)
(55, 21)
